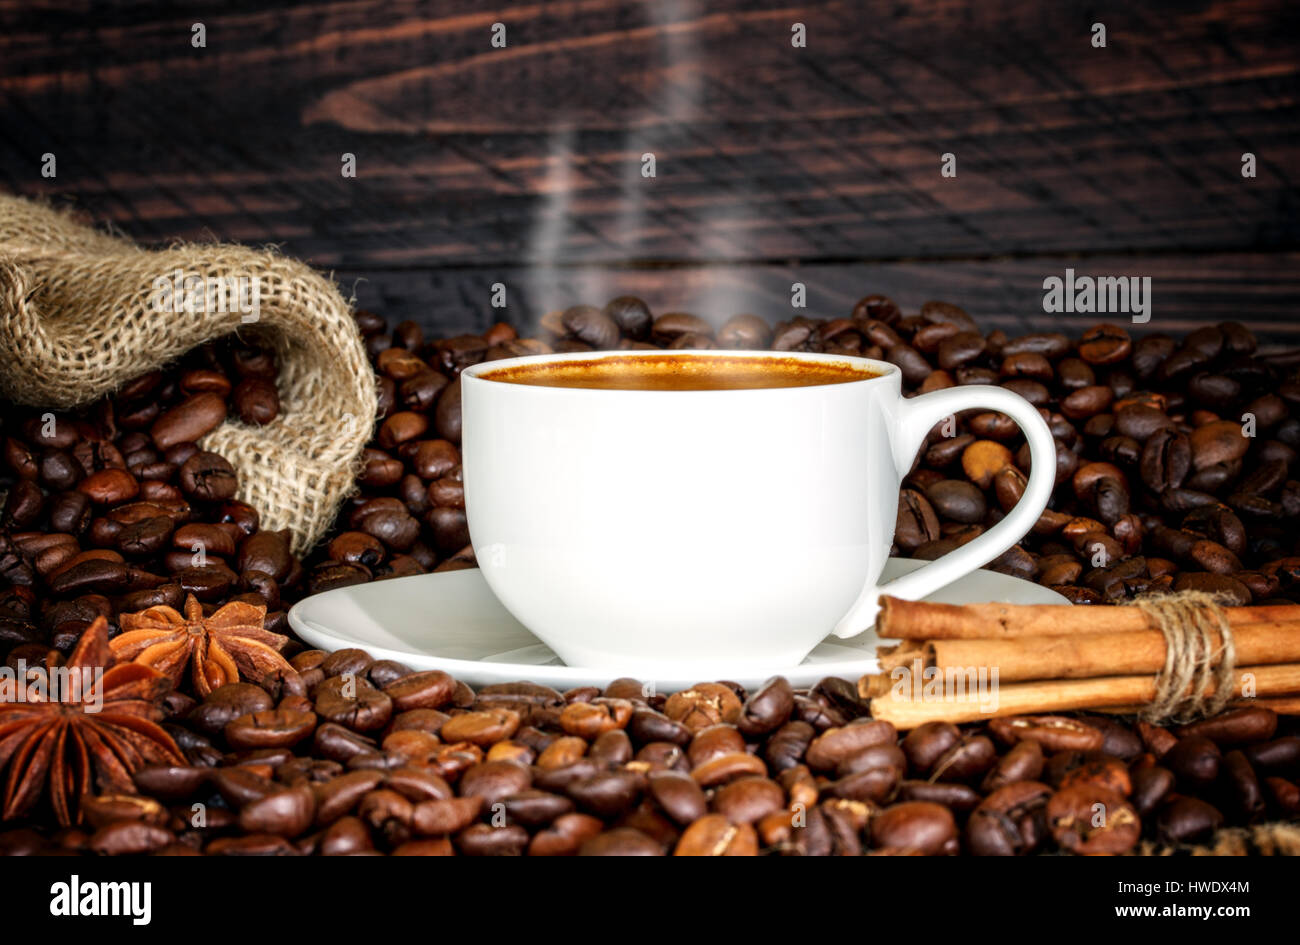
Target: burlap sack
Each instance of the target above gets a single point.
(79, 316)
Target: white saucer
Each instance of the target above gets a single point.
(451, 621)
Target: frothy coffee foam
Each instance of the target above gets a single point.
(681, 372)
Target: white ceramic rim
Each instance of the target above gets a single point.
(880, 370)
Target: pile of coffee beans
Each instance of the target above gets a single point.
(113, 508)
(1174, 463)
(1174, 467)
(360, 756)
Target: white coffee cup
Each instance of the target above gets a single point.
(645, 530)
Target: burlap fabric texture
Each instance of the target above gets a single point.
(79, 316)
(1270, 839)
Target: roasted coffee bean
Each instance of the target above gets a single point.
(876, 756)
(146, 537)
(337, 796)
(267, 552)
(632, 316)
(714, 742)
(1099, 771)
(1024, 762)
(1051, 345)
(1284, 795)
(170, 782)
(271, 728)
(446, 815)
(749, 800)
(1008, 822)
(835, 745)
(288, 812)
(962, 798)
(842, 694)
(767, 708)
(703, 705)
(590, 719)
(1243, 785)
(1187, 819)
(608, 793)
(1234, 727)
(484, 840)
(558, 778)
(648, 725)
(128, 837)
(494, 781)
(1118, 740)
(481, 728)
(786, 746)
(256, 401)
(417, 783)
(428, 690)
(344, 837)
(447, 412)
(740, 331)
(99, 811)
(1090, 819)
(927, 743)
(913, 365)
(533, 808)
(967, 761)
(957, 501)
(920, 826)
(353, 702)
(621, 841)
(240, 785)
(189, 421)
(254, 844)
(714, 835)
(107, 487)
(227, 703)
(1053, 732)
(678, 795)
(1151, 785)
(1281, 755)
(916, 523)
(1195, 760)
(1105, 344)
(591, 325)
(565, 836)
(875, 785)
(724, 768)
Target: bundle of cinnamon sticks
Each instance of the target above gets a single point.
(973, 662)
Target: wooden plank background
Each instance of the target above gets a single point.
(774, 163)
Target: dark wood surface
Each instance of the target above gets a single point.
(522, 164)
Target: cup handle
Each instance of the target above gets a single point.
(912, 420)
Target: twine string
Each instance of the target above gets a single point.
(1195, 661)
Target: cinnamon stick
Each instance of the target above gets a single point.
(1282, 705)
(1085, 655)
(910, 708)
(920, 620)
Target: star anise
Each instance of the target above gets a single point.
(225, 647)
(65, 725)
(230, 645)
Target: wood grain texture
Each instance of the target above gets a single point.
(474, 156)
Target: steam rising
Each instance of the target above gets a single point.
(677, 102)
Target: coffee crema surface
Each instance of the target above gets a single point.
(681, 372)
